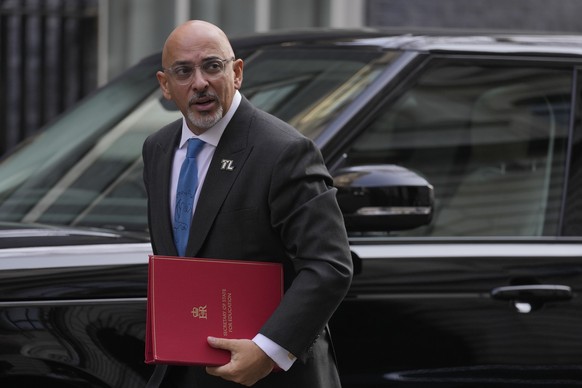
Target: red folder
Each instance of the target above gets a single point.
(190, 299)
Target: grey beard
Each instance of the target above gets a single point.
(205, 121)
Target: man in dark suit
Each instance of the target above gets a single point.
(263, 194)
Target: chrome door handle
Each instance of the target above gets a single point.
(539, 293)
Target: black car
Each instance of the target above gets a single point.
(458, 165)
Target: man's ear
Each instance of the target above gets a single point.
(163, 81)
(238, 73)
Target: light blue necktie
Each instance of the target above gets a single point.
(187, 185)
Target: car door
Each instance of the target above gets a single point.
(487, 293)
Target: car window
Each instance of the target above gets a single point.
(490, 139)
(309, 87)
(104, 187)
(86, 168)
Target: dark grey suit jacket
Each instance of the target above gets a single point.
(276, 204)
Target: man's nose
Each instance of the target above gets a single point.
(199, 81)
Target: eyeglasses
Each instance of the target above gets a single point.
(211, 68)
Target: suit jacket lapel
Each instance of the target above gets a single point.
(232, 151)
(163, 171)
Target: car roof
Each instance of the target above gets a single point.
(428, 40)
(422, 40)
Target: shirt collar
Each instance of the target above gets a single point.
(212, 135)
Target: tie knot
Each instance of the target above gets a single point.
(194, 146)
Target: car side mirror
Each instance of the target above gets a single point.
(383, 198)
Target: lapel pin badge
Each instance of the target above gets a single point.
(226, 165)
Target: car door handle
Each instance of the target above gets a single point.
(539, 293)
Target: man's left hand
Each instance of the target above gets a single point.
(248, 363)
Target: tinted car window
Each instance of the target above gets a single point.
(307, 87)
(86, 168)
(491, 140)
(105, 187)
(61, 175)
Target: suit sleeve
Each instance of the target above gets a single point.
(305, 213)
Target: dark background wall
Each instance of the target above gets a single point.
(48, 61)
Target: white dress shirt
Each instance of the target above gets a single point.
(283, 358)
